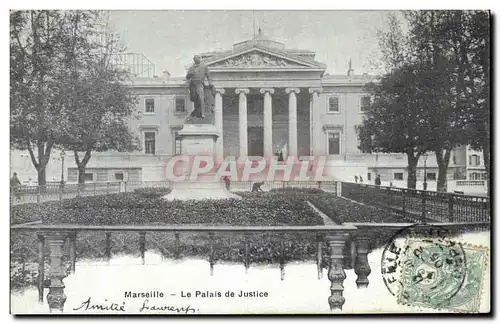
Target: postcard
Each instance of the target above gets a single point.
(250, 162)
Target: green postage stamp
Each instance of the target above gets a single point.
(442, 275)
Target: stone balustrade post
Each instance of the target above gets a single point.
(337, 244)
(56, 297)
(361, 265)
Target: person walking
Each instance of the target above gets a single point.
(377, 180)
(257, 187)
(356, 178)
(360, 179)
(15, 184)
(228, 182)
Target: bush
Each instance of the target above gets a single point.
(153, 192)
(131, 208)
(298, 190)
(342, 210)
(27, 213)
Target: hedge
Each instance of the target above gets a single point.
(342, 210)
(133, 208)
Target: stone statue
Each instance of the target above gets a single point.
(199, 93)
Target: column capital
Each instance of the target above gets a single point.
(317, 90)
(242, 90)
(264, 90)
(220, 90)
(289, 90)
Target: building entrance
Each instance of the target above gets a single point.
(255, 141)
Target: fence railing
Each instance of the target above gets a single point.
(50, 192)
(437, 206)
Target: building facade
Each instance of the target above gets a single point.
(268, 99)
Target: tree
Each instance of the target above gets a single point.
(396, 120)
(105, 104)
(477, 78)
(37, 97)
(444, 58)
(101, 104)
(65, 91)
(432, 37)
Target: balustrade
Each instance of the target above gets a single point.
(55, 236)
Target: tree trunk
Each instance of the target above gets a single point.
(82, 165)
(42, 174)
(81, 174)
(442, 161)
(411, 182)
(44, 150)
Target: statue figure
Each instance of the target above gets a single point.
(196, 76)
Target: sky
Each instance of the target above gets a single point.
(170, 38)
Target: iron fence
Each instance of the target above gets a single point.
(430, 205)
(51, 192)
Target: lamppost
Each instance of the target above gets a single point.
(62, 167)
(425, 170)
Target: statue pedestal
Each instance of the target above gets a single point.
(198, 137)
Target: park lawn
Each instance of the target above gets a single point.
(342, 210)
(262, 209)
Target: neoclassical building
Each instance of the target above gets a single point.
(269, 98)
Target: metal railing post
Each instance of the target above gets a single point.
(450, 208)
(424, 196)
(403, 200)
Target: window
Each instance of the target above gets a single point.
(149, 142)
(89, 177)
(483, 176)
(398, 176)
(180, 105)
(474, 160)
(474, 176)
(333, 143)
(369, 176)
(177, 142)
(72, 175)
(333, 104)
(134, 175)
(431, 176)
(149, 106)
(102, 175)
(119, 176)
(365, 103)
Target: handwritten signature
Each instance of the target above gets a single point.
(146, 307)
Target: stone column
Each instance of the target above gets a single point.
(361, 265)
(292, 121)
(268, 121)
(219, 145)
(314, 108)
(56, 297)
(243, 127)
(336, 274)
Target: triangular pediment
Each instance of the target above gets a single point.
(260, 58)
